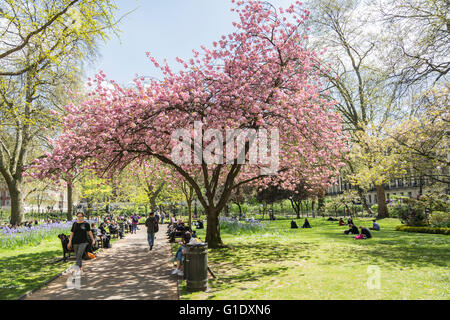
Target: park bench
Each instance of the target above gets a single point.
(114, 233)
(99, 241)
(67, 253)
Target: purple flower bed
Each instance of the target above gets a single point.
(13, 238)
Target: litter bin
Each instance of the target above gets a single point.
(196, 267)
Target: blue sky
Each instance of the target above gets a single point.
(166, 28)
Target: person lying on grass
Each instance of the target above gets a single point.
(353, 230)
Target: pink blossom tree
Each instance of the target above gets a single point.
(260, 77)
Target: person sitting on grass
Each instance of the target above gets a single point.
(306, 224)
(350, 221)
(199, 224)
(375, 226)
(353, 230)
(365, 232)
(181, 252)
(294, 224)
(341, 222)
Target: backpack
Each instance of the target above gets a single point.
(135, 219)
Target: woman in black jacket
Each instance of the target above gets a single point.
(353, 230)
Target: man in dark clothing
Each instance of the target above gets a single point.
(152, 227)
(306, 224)
(199, 224)
(294, 225)
(353, 230)
(79, 238)
(365, 232)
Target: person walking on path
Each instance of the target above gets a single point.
(79, 238)
(134, 223)
(152, 227)
(163, 215)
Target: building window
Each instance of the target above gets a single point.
(388, 196)
(370, 198)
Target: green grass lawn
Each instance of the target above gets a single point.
(323, 263)
(25, 269)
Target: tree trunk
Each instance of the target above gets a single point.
(189, 204)
(89, 207)
(296, 206)
(240, 209)
(382, 207)
(195, 209)
(69, 201)
(153, 204)
(17, 208)
(321, 203)
(364, 200)
(213, 229)
(420, 185)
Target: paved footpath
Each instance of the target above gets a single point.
(127, 271)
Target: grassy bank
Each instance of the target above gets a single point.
(323, 263)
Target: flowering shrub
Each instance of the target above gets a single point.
(440, 219)
(238, 227)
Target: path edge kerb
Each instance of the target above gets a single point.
(22, 297)
(47, 282)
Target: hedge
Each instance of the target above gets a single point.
(424, 230)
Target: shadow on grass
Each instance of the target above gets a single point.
(241, 260)
(237, 280)
(248, 254)
(25, 272)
